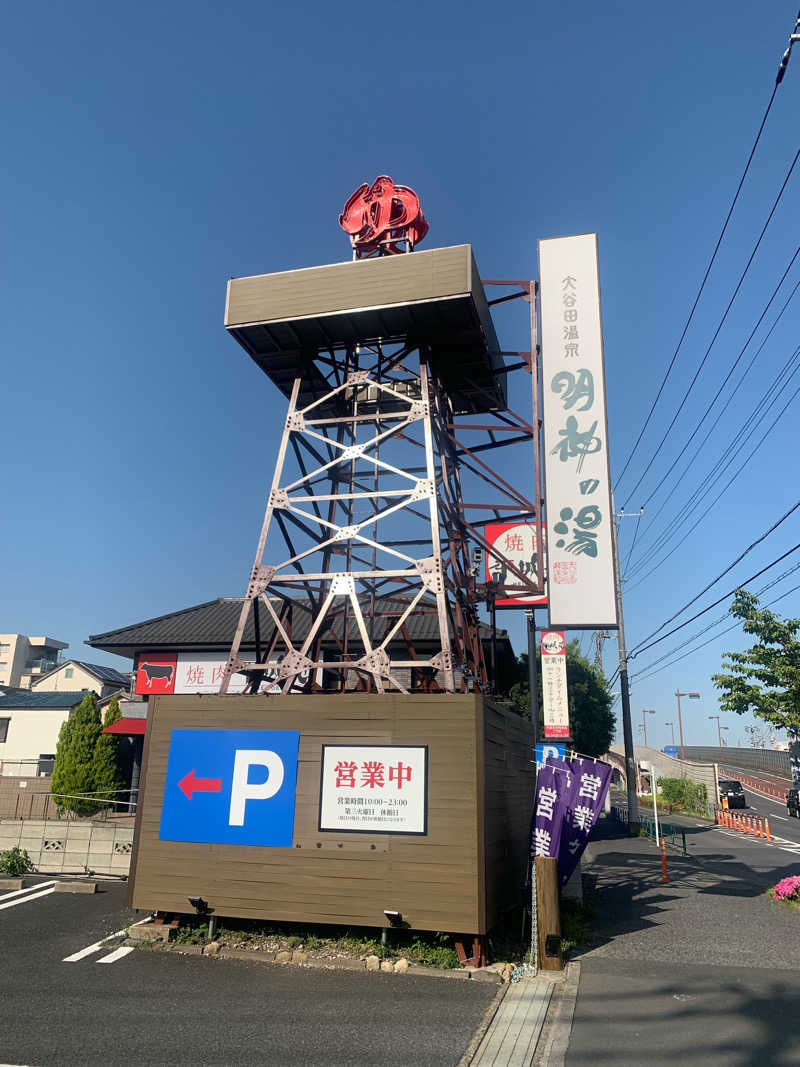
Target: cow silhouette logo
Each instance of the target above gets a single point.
(157, 670)
(156, 674)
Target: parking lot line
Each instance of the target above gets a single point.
(117, 954)
(99, 944)
(19, 893)
(32, 896)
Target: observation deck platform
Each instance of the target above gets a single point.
(433, 300)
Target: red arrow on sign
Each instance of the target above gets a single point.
(190, 784)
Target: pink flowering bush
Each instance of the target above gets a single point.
(788, 888)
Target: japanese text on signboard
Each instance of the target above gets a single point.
(374, 789)
(576, 445)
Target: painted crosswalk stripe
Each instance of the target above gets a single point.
(31, 896)
(99, 944)
(117, 954)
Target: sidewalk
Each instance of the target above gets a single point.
(704, 970)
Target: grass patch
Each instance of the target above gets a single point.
(427, 949)
(576, 925)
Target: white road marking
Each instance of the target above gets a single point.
(99, 944)
(117, 954)
(19, 892)
(32, 896)
(783, 818)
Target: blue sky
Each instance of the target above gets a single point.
(153, 151)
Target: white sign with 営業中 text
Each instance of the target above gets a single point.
(555, 702)
(374, 789)
(576, 466)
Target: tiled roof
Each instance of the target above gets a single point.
(33, 698)
(211, 625)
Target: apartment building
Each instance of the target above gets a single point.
(24, 659)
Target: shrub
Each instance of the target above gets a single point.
(788, 888)
(15, 861)
(685, 794)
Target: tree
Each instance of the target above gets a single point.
(765, 679)
(108, 781)
(591, 719)
(72, 771)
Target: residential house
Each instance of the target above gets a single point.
(29, 726)
(75, 674)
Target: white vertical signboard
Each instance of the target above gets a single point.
(555, 701)
(577, 480)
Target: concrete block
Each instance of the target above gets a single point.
(76, 887)
(98, 855)
(151, 932)
(9, 884)
(103, 833)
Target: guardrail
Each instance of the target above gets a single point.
(745, 824)
(756, 784)
(669, 832)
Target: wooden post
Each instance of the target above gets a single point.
(548, 914)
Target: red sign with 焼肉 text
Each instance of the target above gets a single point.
(514, 542)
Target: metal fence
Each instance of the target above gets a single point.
(98, 807)
(673, 835)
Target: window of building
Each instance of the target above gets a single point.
(4, 647)
(68, 672)
(3, 664)
(4, 729)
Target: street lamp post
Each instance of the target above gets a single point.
(719, 728)
(691, 696)
(646, 711)
(672, 727)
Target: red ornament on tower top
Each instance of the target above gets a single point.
(381, 217)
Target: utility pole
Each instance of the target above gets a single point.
(692, 696)
(599, 637)
(645, 713)
(627, 731)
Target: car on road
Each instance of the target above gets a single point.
(793, 803)
(732, 789)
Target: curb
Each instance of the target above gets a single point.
(299, 958)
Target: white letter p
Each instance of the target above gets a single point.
(242, 791)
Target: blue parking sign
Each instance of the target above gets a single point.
(543, 750)
(231, 787)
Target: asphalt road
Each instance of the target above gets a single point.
(702, 970)
(149, 1007)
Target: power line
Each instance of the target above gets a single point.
(725, 406)
(729, 568)
(719, 327)
(727, 377)
(638, 651)
(778, 79)
(643, 677)
(717, 622)
(730, 481)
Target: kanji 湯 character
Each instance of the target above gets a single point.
(345, 774)
(371, 773)
(545, 801)
(400, 773)
(541, 842)
(586, 520)
(582, 817)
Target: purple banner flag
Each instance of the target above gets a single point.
(590, 782)
(548, 813)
